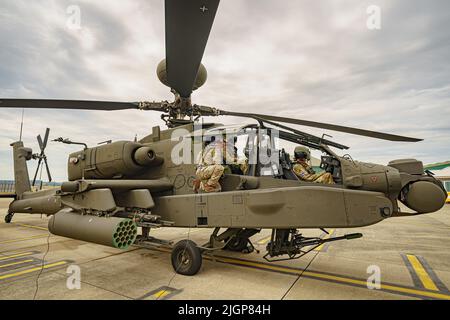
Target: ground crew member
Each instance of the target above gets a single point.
(210, 167)
(304, 171)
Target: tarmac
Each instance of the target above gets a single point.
(410, 254)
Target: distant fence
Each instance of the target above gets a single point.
(7, 187)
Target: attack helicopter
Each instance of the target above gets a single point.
(115, 188)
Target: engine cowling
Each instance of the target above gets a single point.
(120, 159)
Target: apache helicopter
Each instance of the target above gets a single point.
(116, 188)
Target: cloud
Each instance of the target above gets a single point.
(301, 59)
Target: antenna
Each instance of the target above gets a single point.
(21, 125)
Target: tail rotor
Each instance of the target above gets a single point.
(42, 157)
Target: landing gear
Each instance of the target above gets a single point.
(289, 242)
(237, 244)
(240, 242)
(8, 217)
(186, 258)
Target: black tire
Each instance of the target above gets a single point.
(237, 244)
(8, 217)
(186, 258)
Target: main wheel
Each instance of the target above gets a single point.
(237, 244)
(186, 258)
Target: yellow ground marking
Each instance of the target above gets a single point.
(21, 254)
(327, 277)
(161, 294)
(264, 240)
(20, 273)
(330, 233)
(15, 263)
(422, 273)
(30, 226)
(24, 239)
(340, 279)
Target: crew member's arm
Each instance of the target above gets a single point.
(303, 174)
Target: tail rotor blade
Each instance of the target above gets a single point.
(41, 144)
(48, 170)
(37, 171)
(47, 132)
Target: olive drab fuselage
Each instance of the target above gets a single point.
(141, 176)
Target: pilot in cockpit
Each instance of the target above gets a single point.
(304, 171)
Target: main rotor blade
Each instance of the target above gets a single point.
(47, 132)
(67, 104)
(308, 136)
(188, 25)
(327, 126)
(41, 144)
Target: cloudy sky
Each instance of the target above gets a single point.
(315, 60)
